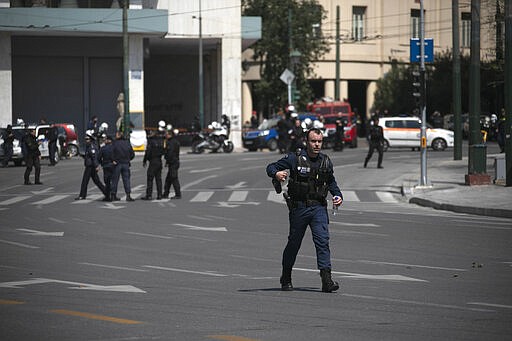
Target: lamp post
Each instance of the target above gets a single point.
(294, 60)
(201, 86)
(126, 70)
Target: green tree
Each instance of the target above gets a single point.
(272, 51)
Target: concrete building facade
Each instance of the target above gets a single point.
(376, 33)
(63, 60)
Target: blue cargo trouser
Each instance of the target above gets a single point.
(317, 218)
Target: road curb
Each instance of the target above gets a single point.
(493, 212)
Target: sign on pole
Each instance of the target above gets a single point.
(287, 77)
(415, 50)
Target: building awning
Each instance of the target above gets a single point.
(52, 21)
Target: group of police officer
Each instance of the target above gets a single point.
(115, 156)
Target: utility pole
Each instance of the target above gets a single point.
(508, 91)
(456, 83)
(423, 132)
(337, 82)
(477, 161)
(201, 76)
(126, 70)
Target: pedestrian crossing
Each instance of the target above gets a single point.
(234, 196)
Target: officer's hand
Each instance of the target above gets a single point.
(337, 201)
(144, 164)
(281, 175)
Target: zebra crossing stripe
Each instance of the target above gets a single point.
(350, 196)
(238, 196)
(14, 200)
(273, 196)
(89, 199)
(51, 199)
(385, 197)
(202, 197)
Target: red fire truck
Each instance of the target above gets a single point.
(332, 111)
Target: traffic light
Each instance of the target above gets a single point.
(416, 86)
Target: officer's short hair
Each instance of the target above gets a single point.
(314, 130)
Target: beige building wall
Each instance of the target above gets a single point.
(387, 32)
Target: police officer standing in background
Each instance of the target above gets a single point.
(92, 166)
(172, 158)
(53, 135)
(311, 178)
(32, 157)
(153, 154)
(122, 154)
(106, 160)
(8, 138)
(375, 141)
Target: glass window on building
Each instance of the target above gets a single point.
(415, 23)
(358, 17)
(466, 29)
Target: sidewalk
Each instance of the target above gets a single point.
(448, 191)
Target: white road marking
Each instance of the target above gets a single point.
(354, 224)
(75, 285)
(385, 196)
(236, 186)
(193, 183)
(350, 196)
(234, 204)
(56, 220)
(14, 200)
(138, 188)
(111, 206)
(411, 265)
(491, 305)
(186, 271)
(367, 276)
(19, 244)
(149, 235)
(204, 170)
(42, 233)
(435, 305)
(89, 199)
(238, 196)
(202, 197)
(113, 267)
(273, 196)
(202, 228)
(42, 191)
(51, 199)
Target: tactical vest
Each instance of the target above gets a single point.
(307, 183)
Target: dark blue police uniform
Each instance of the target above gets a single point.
(105, 157)
(91, 164)
(309, 182)
(122, 154)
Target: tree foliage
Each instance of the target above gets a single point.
(272, 51)
(394, 90)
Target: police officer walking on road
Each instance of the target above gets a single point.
(172, 158)
(107, 162)
(311, 178)
(92, 167)
(375, 141)
(153, 154)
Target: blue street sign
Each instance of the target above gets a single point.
(416, 53)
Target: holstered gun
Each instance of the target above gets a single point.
(288, 200)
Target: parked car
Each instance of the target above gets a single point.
(264, 137)
(41, 135)
(71, 140)
(405, 132)
(17, 156)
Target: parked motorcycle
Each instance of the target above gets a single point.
(215, 140)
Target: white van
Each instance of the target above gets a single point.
(406, 132)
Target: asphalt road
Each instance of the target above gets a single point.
(207, 267)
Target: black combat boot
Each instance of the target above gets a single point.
(286, 280)
(328, 285)
(113, 197)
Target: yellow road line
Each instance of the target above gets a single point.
(93, 316)
(230, 338)
(10, 302)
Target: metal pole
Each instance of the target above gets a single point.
(423, 135)
(508, 91)
(201, 80)
(126, 70)
(337, 84)
(456, 83)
